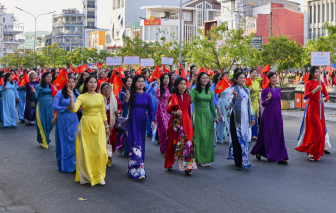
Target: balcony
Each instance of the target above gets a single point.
(60, 23)
(90, 27)
(13, 41)
(91, 6)
(67, 32)
(91, 17)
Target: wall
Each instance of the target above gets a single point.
(285, 22)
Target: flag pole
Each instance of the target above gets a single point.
(320, 91)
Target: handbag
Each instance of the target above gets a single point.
(54, 120)
(121, 123)
(109, 148)
(221, 119)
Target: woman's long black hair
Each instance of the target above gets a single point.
(85, 89)
(133, 89)
(215, 78)
(65, 89)
(124, 81)
(6, 77)
(53, 77)
(236, 76)
(42, 82)
(198, 83)
(311, 72)
(162, 89)
(176, 83)
(80, 81)
(269, 75)
(191, 74)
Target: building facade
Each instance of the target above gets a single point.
(43, 41)
(29, 37)
(166, 20)
(68, 29)
(90, 14)
(317, 13)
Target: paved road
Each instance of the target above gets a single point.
(30, 181)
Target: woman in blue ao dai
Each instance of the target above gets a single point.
(139, 103)
(8, 97)
(66, 128)
(22, 102)
(44, 109)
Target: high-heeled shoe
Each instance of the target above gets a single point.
(170, 168)
(258, 157)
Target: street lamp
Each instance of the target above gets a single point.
(35, 25)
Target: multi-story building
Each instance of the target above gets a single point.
(43, 42)
(164, 21)
(125, 12)
(10, 30)
(29, 38)
(90, 19)
(68, 29)
(317, 13)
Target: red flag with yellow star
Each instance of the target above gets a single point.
(266, 69)
(248, 82)
(165, 69)
(53, 90)
(121, 72)
(221, 86)
(183, 75)
(61, 80)
(24, 80)
(117, 85)
(265, 82)
(172, 101)
(306, 78)
(138, 72)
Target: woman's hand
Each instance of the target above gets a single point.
(269, 96)
(318, 88)
(251, 90)
(178, 112)
(4, 88)
(235, 95)
(216, 120)
(219, 112)
(33, 90)
(322, 100)
(152, 125)
(127, 96)
(253, 122)
(107, 129)
(70, 93)
(117, 112)
(153, 84)
(67, 108)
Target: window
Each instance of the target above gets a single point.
(323, 12)
(328, 12)
(114, 4)
(332, 12)
(318, 32)
(208, 6)
(318, 14)
(199, 15)
(186, 16)
(174, 15)
(118, 4)
(310, 33)
(314, 13)
(311, 14)
(313, 34)
(122, 3)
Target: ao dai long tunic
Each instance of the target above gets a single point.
(162, 117)
(271, 142)
(30, 106)
(137, 133)
(255, 98)
(22, 101)
(91, 153)
(8, 96)
(223, 128)
(44, 114)
(151, 91)
(65, 136)
(203, 125)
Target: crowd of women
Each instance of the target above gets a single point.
(181, 113)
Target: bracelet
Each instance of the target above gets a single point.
(107, 126)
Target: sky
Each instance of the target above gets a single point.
(43, 23)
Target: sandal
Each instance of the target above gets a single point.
(239, 168)
(311, 158)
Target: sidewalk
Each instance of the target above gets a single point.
(330, 105)
(330, 113)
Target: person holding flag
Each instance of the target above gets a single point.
(241, 121)
(44, 109)
(270, 143)
(113, 110)
(253, 84)
(22, 96)
(151, 91)
(162, 93)
(181, 142)
(139, 103)
(202, 96)
(66, 127)
(9, 97)
(30, 106)
(313, 142)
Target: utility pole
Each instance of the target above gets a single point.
(271, 25)
(180, 43)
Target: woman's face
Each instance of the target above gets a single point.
(103, 75)
(241, 79)
(56, 74)
(254, 74)
(165, 80)
(182, 86)
(85, 75)
(173, 77)
(92, 84)
(273, 80)
(32, 76)
(132, 74)
(48, 78)
(140, 84)
(129, 82)
(316, 73)
(204, 79)
(10, 78)
(147, 75)
(194, 70)
(71, 83)
(106, 90)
